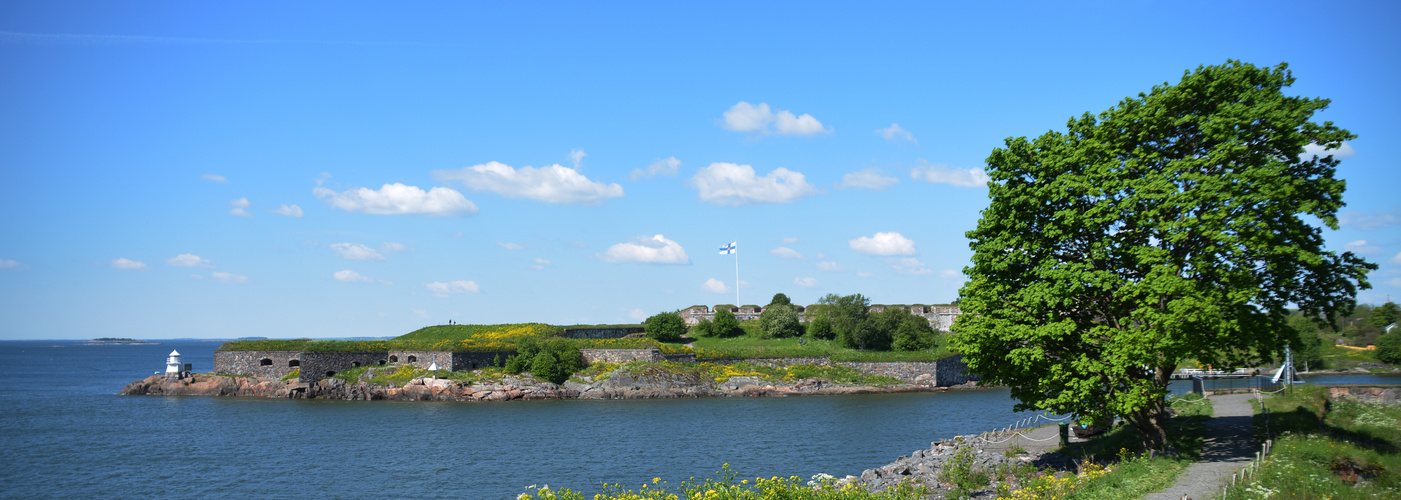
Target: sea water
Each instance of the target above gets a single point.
(65, 433)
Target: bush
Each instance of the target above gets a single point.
(726, 325)
(704, 328)
(780, 321)
(554, 359)
(913, 333)
(821, 328)
(1389, 347)
(665, 327)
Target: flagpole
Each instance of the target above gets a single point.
(735, 251)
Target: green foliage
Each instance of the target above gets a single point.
(820, 487)
(850, 315)
(295, 373)
(1385, 314)
(725, 324)
(821, 328)
(703, 328)
(962, 472)
(265, 345)
(1308, 350)
(908, 331)
(1173, 226)
(753, 347)
(780, 321)
(1389, 347)
(553, 359)
(665, 327)
(779, 299)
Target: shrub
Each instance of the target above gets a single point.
(913, 334)
(704, 328)
(821, 328)
(665, 327)
(726, 325)
(780, 321)
(1389, 347)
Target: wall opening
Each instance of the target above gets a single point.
(265, 362)
(393, 359)
(355, 364)
(330, 374)
(294, 363)
(381, 362)
(413, 359)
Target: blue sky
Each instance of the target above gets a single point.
(308, 169)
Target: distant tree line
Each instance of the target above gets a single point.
(847, 319)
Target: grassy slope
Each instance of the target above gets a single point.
(1326, 449)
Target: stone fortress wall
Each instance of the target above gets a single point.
(941, 317)
(314, 366)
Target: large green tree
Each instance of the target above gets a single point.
(1174, 225)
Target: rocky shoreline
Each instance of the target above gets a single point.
(619, 384)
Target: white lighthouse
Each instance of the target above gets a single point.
(173, 366)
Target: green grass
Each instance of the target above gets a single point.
(790, 373)
(1325, 449)
(1130, 472)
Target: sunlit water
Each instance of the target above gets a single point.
(66, 434)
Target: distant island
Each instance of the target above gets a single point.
(116, 341)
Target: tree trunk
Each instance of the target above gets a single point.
(1151, 421)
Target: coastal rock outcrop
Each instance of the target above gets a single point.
(620, 384)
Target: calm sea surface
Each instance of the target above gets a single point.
(64, 433)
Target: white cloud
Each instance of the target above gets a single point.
(944, 174)
(289, 210)
(551, 184)
(909, 265)
(761, 120)
(895, 133)
(786, 253)
(789, 239)
(1394, 260)
(577, 156)
(239, 207)
(883, 244)
(871, 178)
(321, 178)
(356, 251)
(509, 246)
(1341, 152)
(668, 166)
(214, 177)
(1366, 222)
(732, 185)
(865, 274)
(187, 260)
(714, 286)
(420, 313)
(654, 250)
(224, 277)
(9, 264)
(805, 282)
(442, 289)
(638, 314)
(829, 266)
(392, 247)
(951, 274)
(541, 264)
(1363, 247)
(351, 277)
(398, 199)
(128, 264)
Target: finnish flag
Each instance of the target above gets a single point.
(728, 249)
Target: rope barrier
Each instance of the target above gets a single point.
(1015, 435)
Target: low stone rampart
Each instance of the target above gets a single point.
(601, 333)
(422, 359)
(621, 355)
(909, 372)
(773, 362)
(319, 365)
(953, 371)
(474, 360)
(1383, 394)
(267, 364)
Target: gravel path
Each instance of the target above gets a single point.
(1229, 445)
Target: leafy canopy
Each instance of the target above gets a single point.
(1168, 227)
